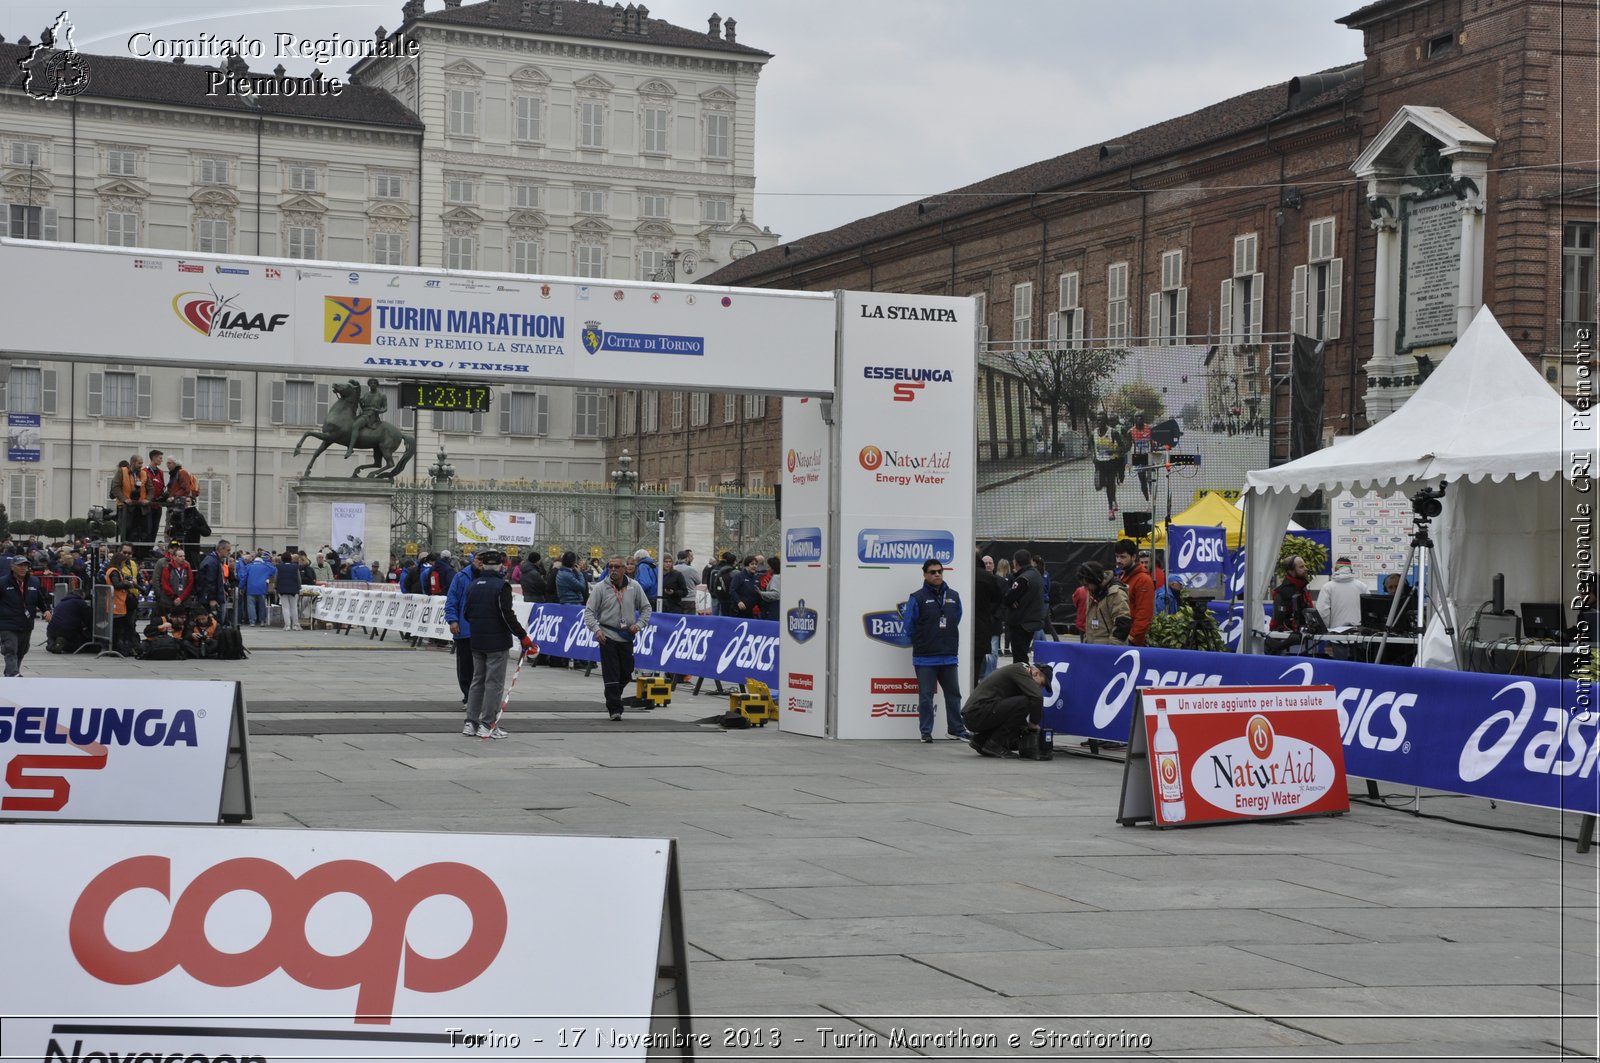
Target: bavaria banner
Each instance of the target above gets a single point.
(905, 491)
(123, 750)
(181, 308)
(494, 526)
(214, 943)
(1531, 741)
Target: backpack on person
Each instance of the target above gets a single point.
(719, 583)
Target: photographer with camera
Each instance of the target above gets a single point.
(1108, 619)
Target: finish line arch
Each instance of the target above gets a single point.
(878, 426)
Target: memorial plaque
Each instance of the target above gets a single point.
(1430, 271)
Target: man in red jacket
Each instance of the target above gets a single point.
(1141, 590)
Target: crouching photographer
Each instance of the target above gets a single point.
(1006, 710)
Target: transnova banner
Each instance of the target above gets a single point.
(215, 943)
(905, 494)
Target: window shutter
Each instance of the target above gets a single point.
(1258, 283)
(96, 396)
(1297, 302)
(1052, 326)
(1183, 316)
(1155, 317)
(5, 222)
(142, 399)
(48, 229)
(1335, 294)
(408, 420)
(1225, 332)
(47, 391)
(275, 402)
(505, 413)
(1080, 327)
(1171, 270)
(1069, 291)
(186, 399)
(235, 400)
(324, 400)
(541, 417)
(1244, 255)
(477, 424)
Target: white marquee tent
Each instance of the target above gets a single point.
(1514, 454)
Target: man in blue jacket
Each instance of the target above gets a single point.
(495, 628)
(644, 573)
(210, 585)
(454, 599)
(257, 577)
(21, 601)
(932, 618)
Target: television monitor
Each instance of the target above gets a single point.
(1543, 620)
(1375, 612)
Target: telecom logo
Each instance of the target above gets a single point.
(905, 546)
(803, 545)
(800, 622)
(346, 320)
(887, 627)
(214, 315)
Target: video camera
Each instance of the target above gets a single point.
(1428, 503)
(101, 513)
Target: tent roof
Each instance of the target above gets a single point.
(1484, 412)
(1209, 511)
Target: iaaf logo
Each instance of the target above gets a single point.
(212, 314)
(757, 653)
(1259, 772)
(686, 644)
(907, 382)
(1543, 752)
(800, 622)
(1197, 549)
(1359, 708)
(383, 961)
(802, 544)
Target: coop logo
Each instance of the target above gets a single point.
(1567, 746)
(1113, 698)
(215, 315)
(686, 643)
(755, 653)
(1202, 550)
(905, 546)
(376, 968)
(800, 622)
(906, 383)
(802, 545)
(1260, 773)
(888, 627)
(346, 319)
(1361, 709)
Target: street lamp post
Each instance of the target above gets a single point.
(441, 473)
(623, 479)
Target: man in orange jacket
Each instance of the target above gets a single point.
(1141, 590)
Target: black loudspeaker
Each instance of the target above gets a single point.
(777, 501)
(1136, 525)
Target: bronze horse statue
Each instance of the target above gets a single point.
(384, 440)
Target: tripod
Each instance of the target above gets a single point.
(1429, 563)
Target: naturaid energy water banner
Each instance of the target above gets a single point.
(1510, 738)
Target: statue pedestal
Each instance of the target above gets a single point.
(318, 495)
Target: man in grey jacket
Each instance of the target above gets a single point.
(617, 608)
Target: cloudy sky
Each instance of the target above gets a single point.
(866, 105)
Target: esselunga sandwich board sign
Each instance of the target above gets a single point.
(123, 750)
(221, 942)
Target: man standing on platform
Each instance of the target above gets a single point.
(493, 622)
(616, 610)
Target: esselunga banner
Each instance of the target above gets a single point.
(494, 526)
(124, 750)
(215, 943)
(1507, 738)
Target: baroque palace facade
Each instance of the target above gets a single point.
(1284, 210)
(556, 137)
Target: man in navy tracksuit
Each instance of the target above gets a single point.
(454, 600)
(932, 615)
(21, 601)
(493, 621)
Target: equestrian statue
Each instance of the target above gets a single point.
(356, 420)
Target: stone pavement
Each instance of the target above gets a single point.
(865, 888)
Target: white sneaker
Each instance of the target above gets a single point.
(469, 729)
(492, 732)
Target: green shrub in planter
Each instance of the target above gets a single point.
(1180, 630)
(1314, 553)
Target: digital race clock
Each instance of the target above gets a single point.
(428, 395)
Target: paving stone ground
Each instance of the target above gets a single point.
(864, 888)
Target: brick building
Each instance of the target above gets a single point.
(1295, 208)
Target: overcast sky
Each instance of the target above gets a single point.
(870, 103)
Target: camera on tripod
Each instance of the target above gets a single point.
(101, 513)
(1428, 503)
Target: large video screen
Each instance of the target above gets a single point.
(1071, 440)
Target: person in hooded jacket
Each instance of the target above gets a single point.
(1340, 600)
(494, 625)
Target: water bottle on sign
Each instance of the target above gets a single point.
(1169, 768)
